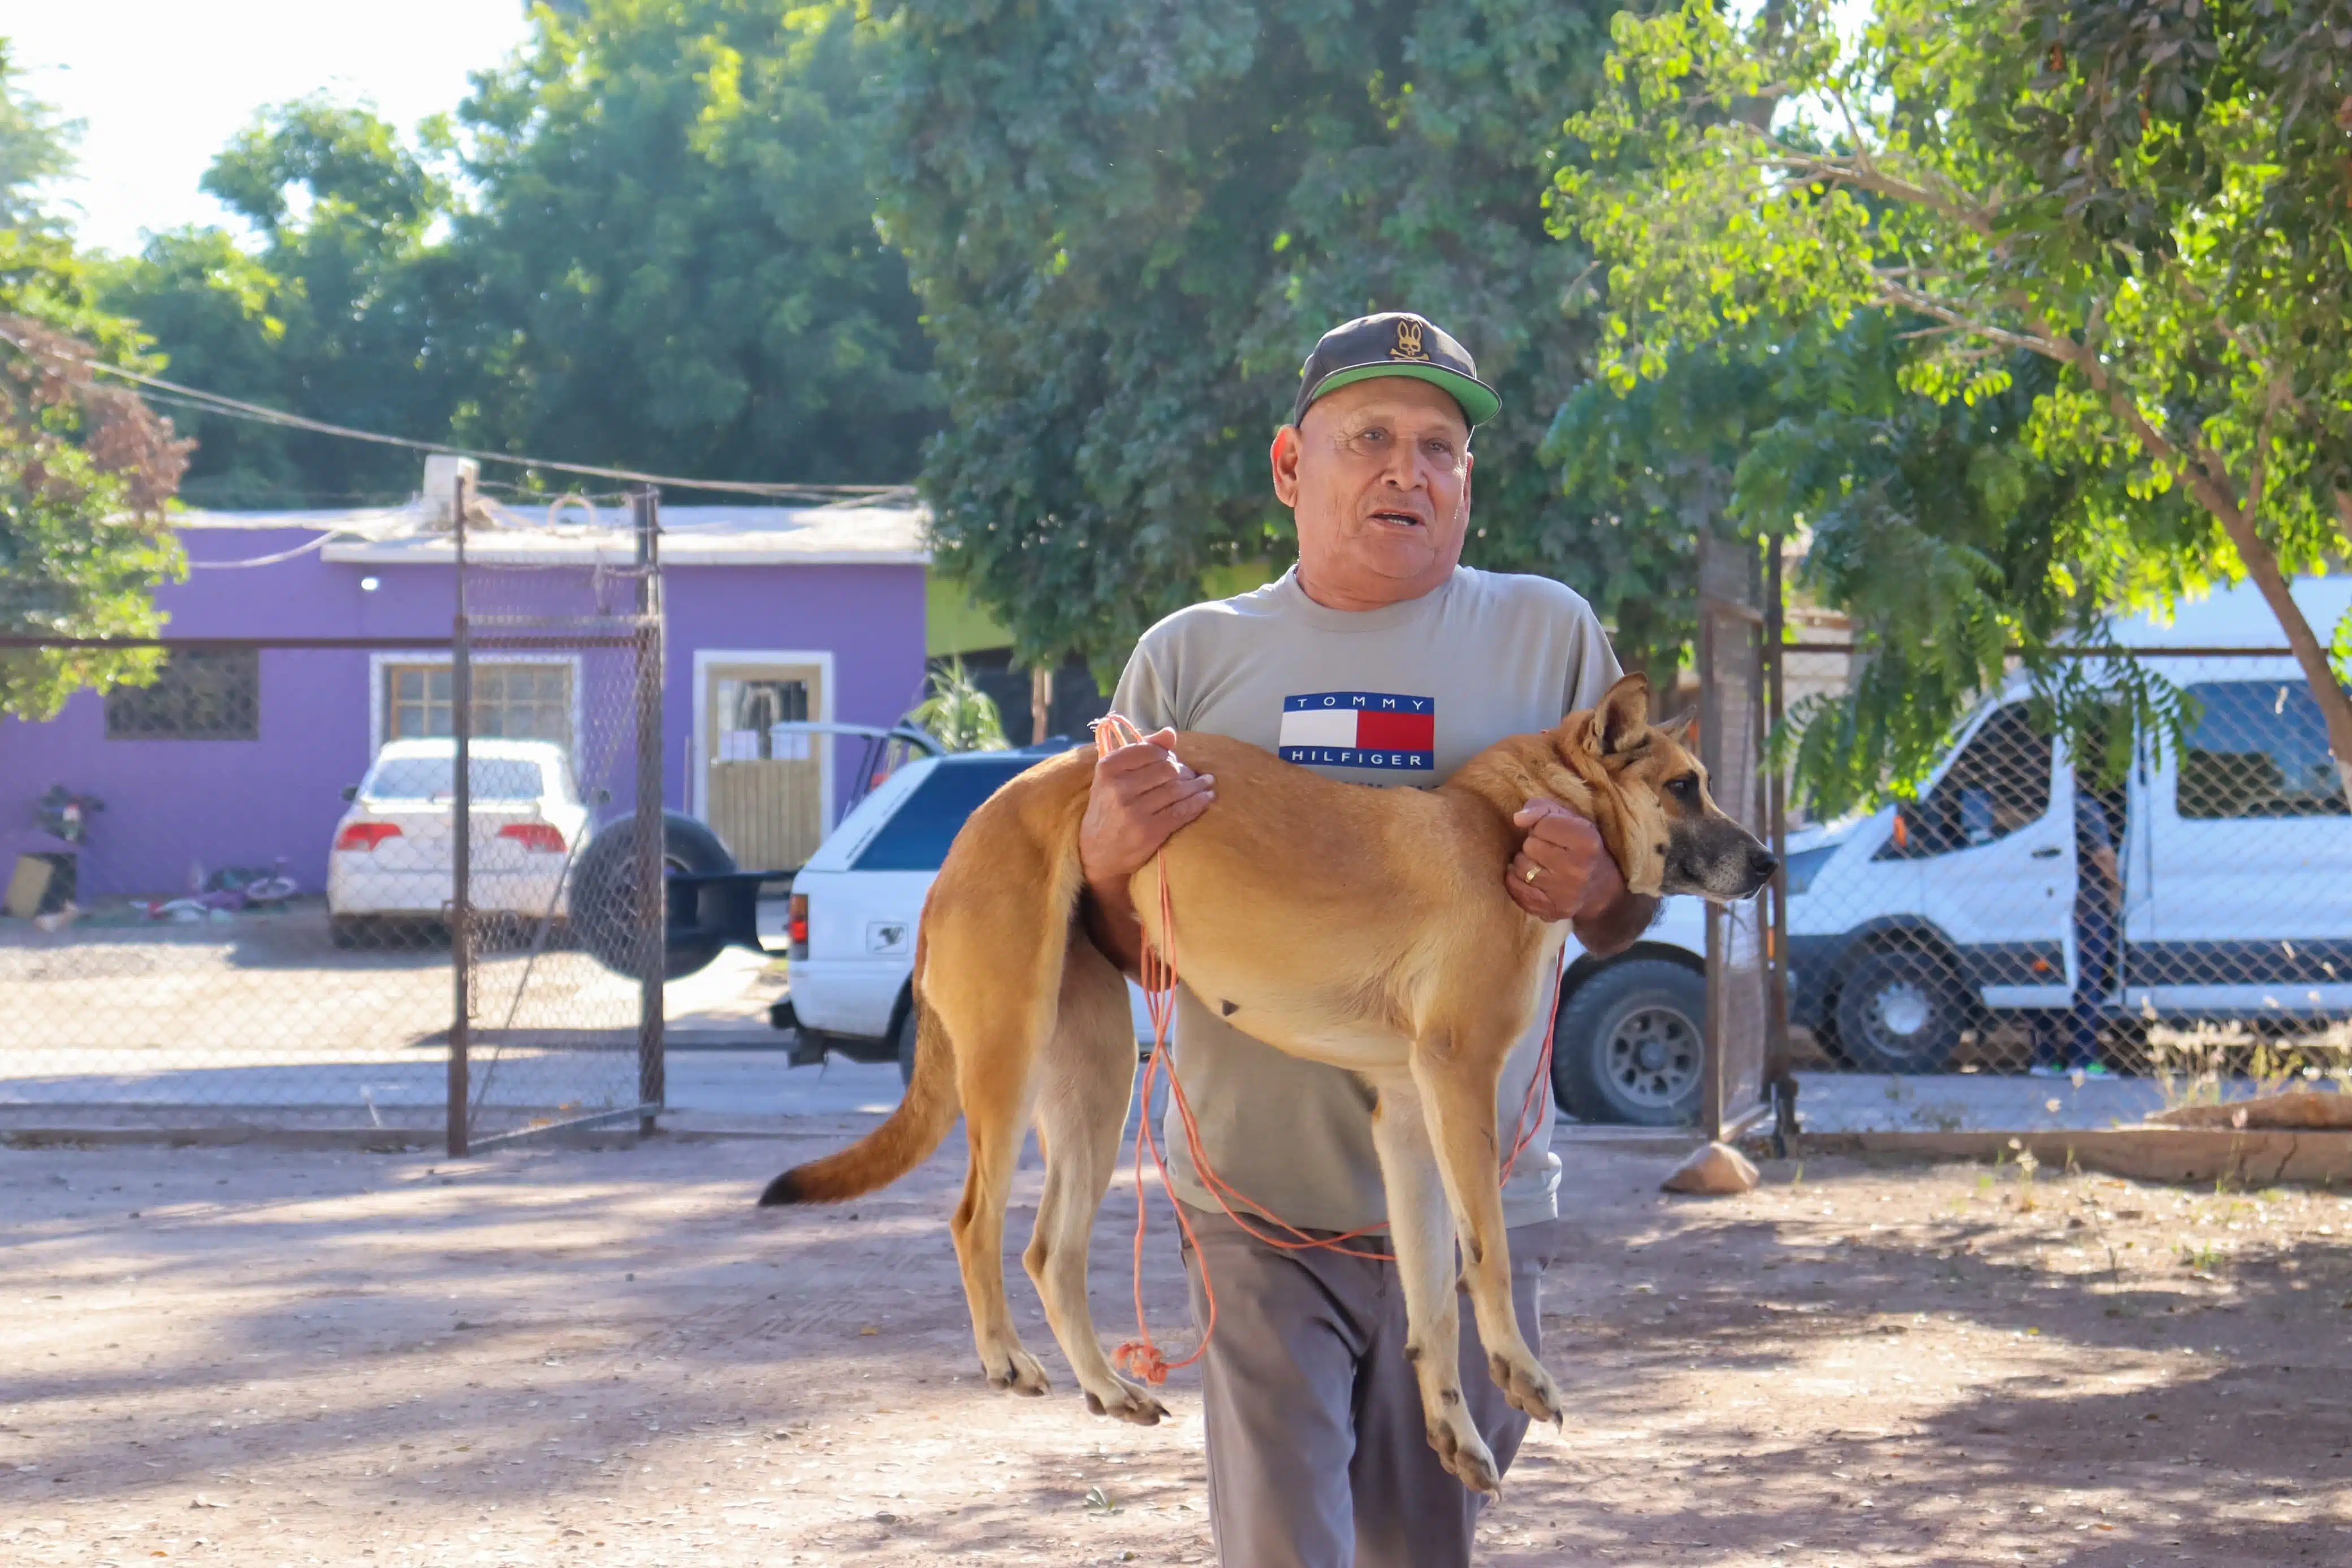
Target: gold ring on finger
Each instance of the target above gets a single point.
(1531, 872)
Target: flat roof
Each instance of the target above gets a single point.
(842, 534)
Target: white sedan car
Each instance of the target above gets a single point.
(393, 852)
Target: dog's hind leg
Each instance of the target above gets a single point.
(1084, 1082)
(997, 1122)
(1423, 1230)
(1460, 1097)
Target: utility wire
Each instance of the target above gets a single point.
(234, 408)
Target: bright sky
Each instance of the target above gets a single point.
(163, 83)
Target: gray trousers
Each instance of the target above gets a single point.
(1318, 1456)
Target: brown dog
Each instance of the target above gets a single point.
(1398, 957)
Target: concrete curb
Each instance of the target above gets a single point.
(2250, 1157)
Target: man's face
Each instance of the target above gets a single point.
(1377, 476)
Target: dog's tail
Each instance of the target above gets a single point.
(912, 1132)
(988, 955)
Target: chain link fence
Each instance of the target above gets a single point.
(2034, 944)
(285, 883)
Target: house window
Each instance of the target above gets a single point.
(512, 701)
(207, 694)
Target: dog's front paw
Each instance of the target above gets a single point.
(1466, 1457)
(1527, 1387)
(1132, 1404)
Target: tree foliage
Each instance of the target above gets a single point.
(647, 241)
(347, 308)
(35, 147)
(1128, 223)
(673, 247)
(86, 469)
(2147, 201)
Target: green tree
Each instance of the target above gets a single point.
(2147, 201)
(349, 310)
(36, 149)
(86, 469)
(673, 247)
(1128, 223)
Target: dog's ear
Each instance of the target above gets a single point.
(1680, 727)
(1622, 716)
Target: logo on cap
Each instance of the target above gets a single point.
(1408, 343)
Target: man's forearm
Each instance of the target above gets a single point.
(1113, 928)
(1614, 928)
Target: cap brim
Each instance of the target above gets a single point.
(1479, 401)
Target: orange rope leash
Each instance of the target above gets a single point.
(1140, 1356)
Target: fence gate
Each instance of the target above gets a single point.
(252, 886)
(556, 920)
(1732, 623)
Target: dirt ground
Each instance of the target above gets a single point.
(260, 1356)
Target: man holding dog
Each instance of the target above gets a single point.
(1380, 659)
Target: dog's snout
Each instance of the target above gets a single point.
(1760, 865)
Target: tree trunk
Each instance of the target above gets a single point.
(1041, 703)
(2206, 483)
(2263, 566)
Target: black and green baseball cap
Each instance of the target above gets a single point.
(1395, 343)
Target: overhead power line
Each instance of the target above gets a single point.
(235, 408)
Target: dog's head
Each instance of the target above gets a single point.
(1651, 801)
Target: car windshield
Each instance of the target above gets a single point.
(436, 777)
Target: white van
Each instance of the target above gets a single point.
(1912, 926)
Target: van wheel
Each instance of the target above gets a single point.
(907, 1047)
(1900, 1011)
(1630, 1045)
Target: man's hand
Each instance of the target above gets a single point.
(1141, 795)
(1564, 871)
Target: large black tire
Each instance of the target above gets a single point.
(907, 1045)
(1901, 1010)
(604, 892)
(1630, 1045)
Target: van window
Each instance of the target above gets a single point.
(916, 836)
(2260, 750)
(2000, 783)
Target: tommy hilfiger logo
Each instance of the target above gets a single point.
(1359, 730)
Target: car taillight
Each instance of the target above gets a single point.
(539, 838)
(798, 929)
(366, 835)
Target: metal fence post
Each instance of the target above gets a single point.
(1779, 1071)
(652, 902)
(1710, 725)
(461, 843)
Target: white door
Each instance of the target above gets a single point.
(1994, 842)
(2250, 854)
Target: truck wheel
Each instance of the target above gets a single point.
(907, 1047)
(1900, 1011)
(604, 892)
(1631, 1043)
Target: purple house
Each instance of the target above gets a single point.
(774, 613)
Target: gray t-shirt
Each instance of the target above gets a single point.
(1402, 694)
